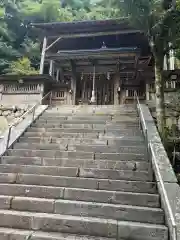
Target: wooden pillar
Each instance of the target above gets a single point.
(41, 70)
(127, 93)
(167, 85)
(73, 82)
(104, 93)
(171, 57)
(165, 67)
(147, 92)
(93, 97)
(51, 68)
(1, 91)
(57, 75)
(116, 85)
(84, 89)
(61, 75)
(73, 88)
(174, 84)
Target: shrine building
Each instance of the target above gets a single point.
(96, 62)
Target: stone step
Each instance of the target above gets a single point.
(104, 131)
(115, 174)
(90, 121)
(120, 156)
(114, 197)
(108, 149)
(66, 141)
(58, 124)
(75, 155)
(19, 234)
(62, 135)
(47, 116)
(71, 121)
(77, 194)
(112, 139)
(35, 169)
(84, 163)
(70, 141)
(77, 172)
(81, 225)
(93, 111)
(58, 223)
(109, 211)
(78, 134)
(90, 108)
(84, 117)
(125, 140)
(86, 209)
(90, 183)
(81, 147)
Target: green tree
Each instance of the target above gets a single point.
(21, 67)
(160, 27)
(7, 50)
(16, 38)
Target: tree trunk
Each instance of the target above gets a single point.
(160, 107)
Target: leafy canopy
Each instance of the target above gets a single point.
(18, 41)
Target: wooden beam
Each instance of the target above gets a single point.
(52, 44)
(99, 63)
(100, 68)
(95, 55)
(93, 34)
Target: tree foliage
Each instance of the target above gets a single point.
(160, 22)
(16, 38)
(21, 67)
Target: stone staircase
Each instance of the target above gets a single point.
(80, 172)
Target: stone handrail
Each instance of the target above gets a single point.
(173, 227)
(160, 164)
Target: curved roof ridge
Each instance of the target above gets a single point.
(84, 22)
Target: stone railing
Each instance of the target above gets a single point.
(166, 180)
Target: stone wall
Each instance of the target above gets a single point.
(10, 113)
(172, 99)
(17, 93)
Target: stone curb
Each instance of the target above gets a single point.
(166, 171)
